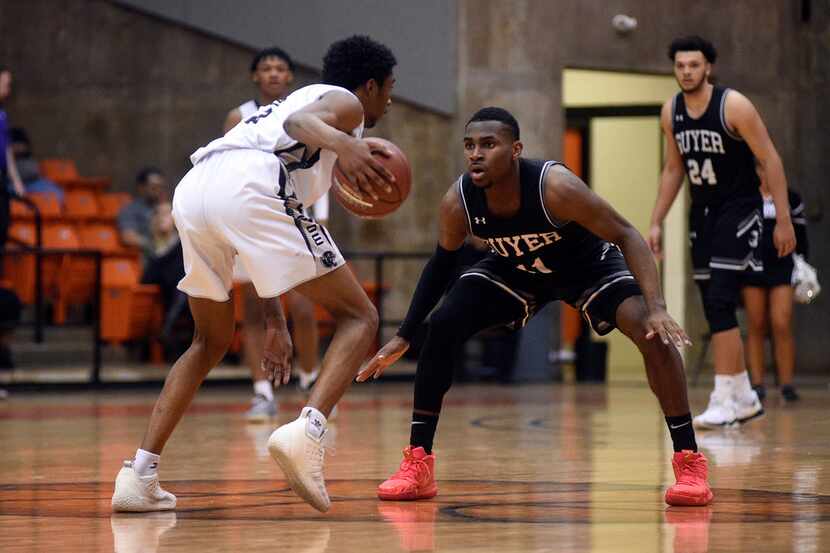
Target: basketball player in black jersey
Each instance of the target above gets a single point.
(550, 239)
(714, 136)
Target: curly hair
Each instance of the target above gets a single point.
(353, 61)
(693, 43)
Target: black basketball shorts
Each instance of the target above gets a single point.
(726, 237)
(595, 284)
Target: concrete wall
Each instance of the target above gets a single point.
(420, 33)
(115, 89)
(513, 53)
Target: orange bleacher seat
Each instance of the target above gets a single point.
(101, 237)
(46, 202)
(59, 170)
(63, 274)
(80, 205)
(18, 211)
(110, 204)
(129, 310)
(65, 173)
(19, 268)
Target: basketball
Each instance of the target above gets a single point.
(355, 201)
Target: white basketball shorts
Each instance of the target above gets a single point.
(228, 205)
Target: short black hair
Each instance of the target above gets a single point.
(693, 43)
(497, 114)
(4, 68)
(272, 52)
(353, 61)
(145, 172)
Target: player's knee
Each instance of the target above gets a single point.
(720, 313)
(369, 318)
(780, 324)
(213, 346)
(756, 326)
(441, 324)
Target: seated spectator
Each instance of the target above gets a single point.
(27, 166)
(134, 219)
(164, 266)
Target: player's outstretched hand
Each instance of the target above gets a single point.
(387, 355)
(277, 355)
(784, 239)
(659, 322)
(655, 241)
(356, 161)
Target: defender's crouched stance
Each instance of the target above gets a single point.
(550, 239)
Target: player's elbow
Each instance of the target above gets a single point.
(292, 124)
(627, 236)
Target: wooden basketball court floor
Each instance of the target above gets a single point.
(521, 468)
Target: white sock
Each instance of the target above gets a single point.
(307, 378)
(743, 386)
(145, 463)
(724, 384)
(316, 424)
(264, 388)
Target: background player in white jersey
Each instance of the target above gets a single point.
(715, 136)
(242, 199)
(272, 71)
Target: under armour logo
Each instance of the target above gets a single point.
(678, 118)
(480, 220)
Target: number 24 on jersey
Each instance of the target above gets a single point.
(698, 174)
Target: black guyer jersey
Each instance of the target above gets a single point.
(719, 164)
(532, 240)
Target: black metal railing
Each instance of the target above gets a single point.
(378, 260)
(39, 253)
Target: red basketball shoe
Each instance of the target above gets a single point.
(692, 486)
(415, 478)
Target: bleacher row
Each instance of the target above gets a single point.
(86, 222)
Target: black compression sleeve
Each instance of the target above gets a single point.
(435, 277)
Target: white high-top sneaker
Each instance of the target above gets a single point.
(298, 449)
(719, 414)
(748, 406)
(134, 493)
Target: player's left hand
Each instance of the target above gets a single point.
(387, 355)
(784, 238)
(277, 354)
(659, 322)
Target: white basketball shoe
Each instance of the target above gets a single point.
(719, 414)
(748, 407)
(298, 449)
(136, 494)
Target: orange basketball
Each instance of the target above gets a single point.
(354, 200)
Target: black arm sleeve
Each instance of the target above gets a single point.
(435, 277)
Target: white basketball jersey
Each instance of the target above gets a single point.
(248, 108)
(309, 172)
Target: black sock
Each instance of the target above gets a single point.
(423, 431)
(682, 433)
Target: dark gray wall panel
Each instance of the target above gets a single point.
(421, 34)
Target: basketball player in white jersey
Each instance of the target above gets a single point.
(245, 196)
(272, 71)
